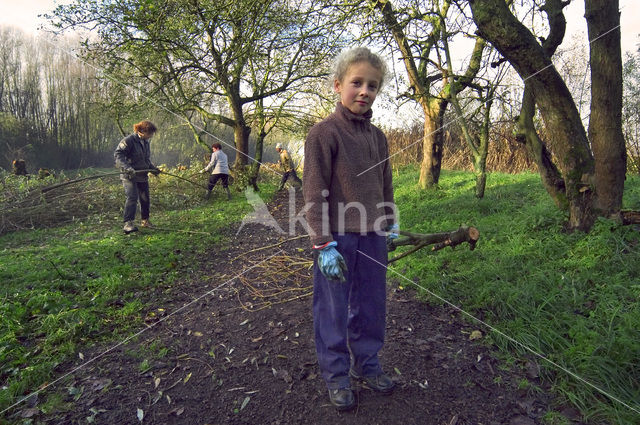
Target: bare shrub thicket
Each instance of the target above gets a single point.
(506, 155)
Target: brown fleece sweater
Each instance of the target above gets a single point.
(347, 176)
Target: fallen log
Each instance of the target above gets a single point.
(464, 234)
(630, 217)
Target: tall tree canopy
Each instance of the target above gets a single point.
(188, 55)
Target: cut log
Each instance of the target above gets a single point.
(464, 234)
(630, 217)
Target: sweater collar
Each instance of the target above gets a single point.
(345, 112)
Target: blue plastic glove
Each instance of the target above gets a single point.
(392, 232)
(330, 262)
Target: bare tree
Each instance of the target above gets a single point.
(631, 111)
(416, 31)
(475, 120)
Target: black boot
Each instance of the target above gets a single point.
(228, 193)
(379, 383)
(342, 398)
(208, 195)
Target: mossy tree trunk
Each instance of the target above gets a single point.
(420, 82)
(517, 44)
(526, 133)
(605, 122)
(432, 142)
(477, 141)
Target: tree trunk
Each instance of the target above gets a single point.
(480, 161)
(255, 166)
(605, 123)
(526, 133)
(428, 167)
(516, 43)
(432, 143)
(240, 129)
(241, 137)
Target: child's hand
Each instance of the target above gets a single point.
(392, 231)
(392, 234)
(330, 262)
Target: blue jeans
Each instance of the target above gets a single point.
(136, 191)
(349, 317)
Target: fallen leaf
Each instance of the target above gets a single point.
(196, 333)
(521, 420)
(27, 413)
(245, 402)
(177, 411)
(186, 378)
(156, 382)
(285, 375)
(156, 398)
(140, 414)
(475, 335)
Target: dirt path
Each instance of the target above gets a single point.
(244, 354)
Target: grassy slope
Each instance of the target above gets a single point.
(79, 284)
(573, 298)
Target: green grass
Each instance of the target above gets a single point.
(573, 298)
(84, 283)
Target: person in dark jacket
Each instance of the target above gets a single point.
(133, 156)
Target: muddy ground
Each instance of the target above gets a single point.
(232, 343)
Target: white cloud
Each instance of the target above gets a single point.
(629, 23)
(24, 14)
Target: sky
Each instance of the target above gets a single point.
(24, 14)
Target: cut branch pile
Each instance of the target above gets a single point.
(279, 280)
(35, 208)
(28, 203)
(464, 234)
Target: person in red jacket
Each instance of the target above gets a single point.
(349, 207)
